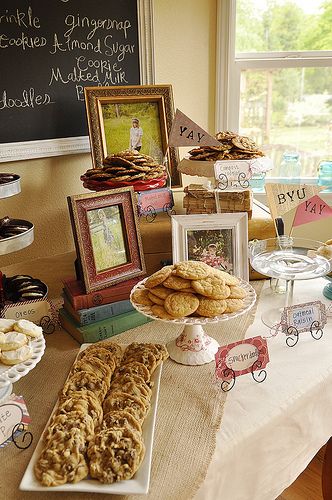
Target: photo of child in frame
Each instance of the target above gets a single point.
(107, 238)
(136, 134)
(214, 247)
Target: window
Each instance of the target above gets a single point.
(275, 77)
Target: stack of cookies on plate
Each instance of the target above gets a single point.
(232, 147)
(126, 166)
(15, 338)
(190, 288)
(96, 428)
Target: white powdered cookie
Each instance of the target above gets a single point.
(12, 340)
(18, 356)
(29, 328)
(6, 325)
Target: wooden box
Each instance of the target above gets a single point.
(200, 200)
(157, 237)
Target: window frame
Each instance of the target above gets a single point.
(229, 65)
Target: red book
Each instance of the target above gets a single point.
(79, 299)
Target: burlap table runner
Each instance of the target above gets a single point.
(189, 413)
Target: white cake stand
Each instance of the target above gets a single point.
(193, 346)
(11, 374)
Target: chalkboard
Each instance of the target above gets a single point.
(50, 50)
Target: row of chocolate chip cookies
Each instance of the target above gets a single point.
(126, 166)
(190, 288)
(232, 147)
(118, 449)
(96, 428)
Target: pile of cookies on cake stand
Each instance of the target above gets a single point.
(194, 294)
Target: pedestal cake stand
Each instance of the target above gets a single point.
(288, 259)
(193, 346)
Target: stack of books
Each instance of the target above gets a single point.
(90, 317)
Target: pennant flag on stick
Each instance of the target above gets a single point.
(284, 197)
(185, 132)
(311, 210)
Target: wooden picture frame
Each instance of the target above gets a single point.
(107, 237)
(220, 240)
(110, 113)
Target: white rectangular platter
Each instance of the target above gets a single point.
(139, 484)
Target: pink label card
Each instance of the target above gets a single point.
(156, 200)
(245, 356)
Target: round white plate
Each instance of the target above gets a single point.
(11, 374)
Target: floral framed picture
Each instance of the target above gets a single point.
(220, 240)
(135, 117)
(107, 237)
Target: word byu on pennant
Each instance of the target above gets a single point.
(239, 358)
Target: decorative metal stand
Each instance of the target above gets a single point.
(230, 376)
(292, 333)
(48, 324)
(150, 213)
(20, 432)
(223, 182)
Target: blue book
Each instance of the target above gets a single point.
(87, 316)
(101, 330)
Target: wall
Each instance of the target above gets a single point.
(185, 36)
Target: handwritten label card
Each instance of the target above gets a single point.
(156, 200)
(241, 357)
(303, 317)
(36, 311)
(232, 175)
(12, 413)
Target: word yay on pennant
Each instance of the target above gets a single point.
(312, 210)
(185, 132)
(306, 317)
(239, 358)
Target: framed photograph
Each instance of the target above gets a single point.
(107, 237)
(137, 117)
(220, 240)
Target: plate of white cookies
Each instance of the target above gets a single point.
(22, 346)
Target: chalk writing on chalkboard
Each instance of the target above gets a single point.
(49, 51)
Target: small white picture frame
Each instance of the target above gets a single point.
(220, 240)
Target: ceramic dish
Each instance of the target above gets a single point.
(139, 484)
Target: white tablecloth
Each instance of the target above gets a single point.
(270, 431)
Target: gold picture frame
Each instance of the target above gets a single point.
(110, 113)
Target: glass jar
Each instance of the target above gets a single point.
(290, 167)
(257, 182)
(325, 174)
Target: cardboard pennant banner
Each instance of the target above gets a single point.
(311, 210)
(284, 197)
(185, 132)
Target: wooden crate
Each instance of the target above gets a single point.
(200, 200)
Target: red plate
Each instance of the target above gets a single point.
(137, 185)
